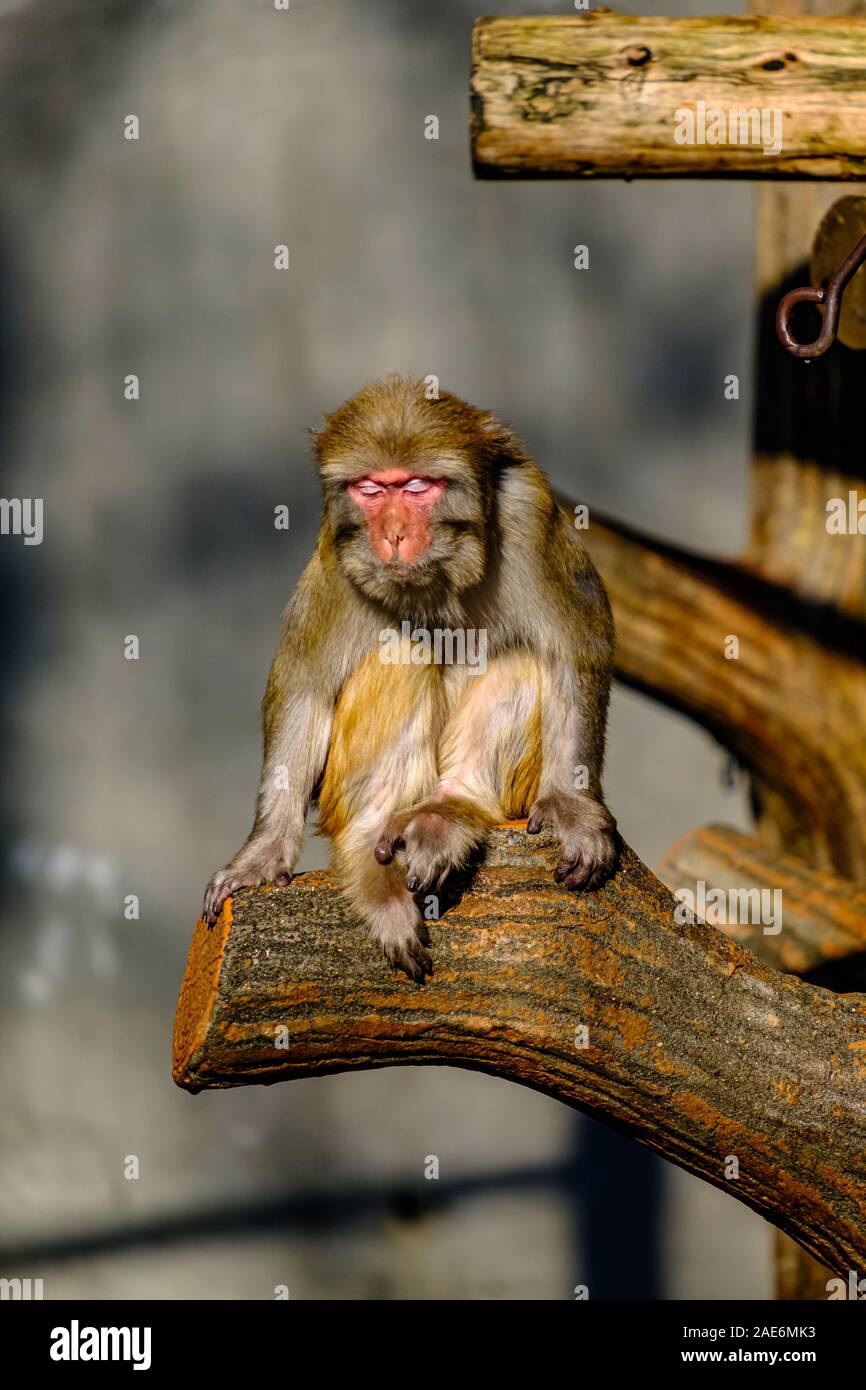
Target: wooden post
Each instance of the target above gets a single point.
(807, 421)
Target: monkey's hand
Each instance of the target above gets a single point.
(241, 874)
(587, 835)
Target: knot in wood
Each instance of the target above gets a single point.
(637, 55)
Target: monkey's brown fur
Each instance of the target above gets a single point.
(411, 762)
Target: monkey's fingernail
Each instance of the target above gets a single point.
(413, 884)
(383, 853)
(533, 826)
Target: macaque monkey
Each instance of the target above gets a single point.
(435, 521)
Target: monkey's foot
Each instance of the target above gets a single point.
(226, 882)
(403, 938)
(436, 840)
(587, 835)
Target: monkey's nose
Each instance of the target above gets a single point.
(395, 540)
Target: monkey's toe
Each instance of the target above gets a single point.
(574, 875)
(587, 871)
(565, 869)
(389, 842)
(413, 959)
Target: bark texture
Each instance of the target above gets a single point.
(823, 917)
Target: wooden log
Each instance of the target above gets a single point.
(597, 95)
(823, 916)
(693, 1046)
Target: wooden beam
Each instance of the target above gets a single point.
(693, 1046)
(597, 95)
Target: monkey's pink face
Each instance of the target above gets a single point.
(396, 505)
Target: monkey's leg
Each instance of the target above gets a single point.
(489, 761)
(383, 756)
(569, 800)
(379, 895)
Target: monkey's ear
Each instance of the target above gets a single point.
(503, 438)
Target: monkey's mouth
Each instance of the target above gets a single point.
(408, 571)
(401, 568)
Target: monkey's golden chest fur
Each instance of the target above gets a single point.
(396, 726)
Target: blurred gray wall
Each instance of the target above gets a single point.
(155, 257)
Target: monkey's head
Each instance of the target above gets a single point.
(410, 492)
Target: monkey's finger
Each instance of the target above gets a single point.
(283, 880)
(214, 901)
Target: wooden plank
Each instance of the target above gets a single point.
(597, 95)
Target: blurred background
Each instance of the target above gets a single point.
(156, 257)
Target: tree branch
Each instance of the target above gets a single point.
(693, 1046)
(792, 704)
(823, 917)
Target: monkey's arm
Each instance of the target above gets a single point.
(297, 711)
(575, 690)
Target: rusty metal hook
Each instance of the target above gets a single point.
(828, 294)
